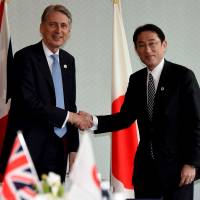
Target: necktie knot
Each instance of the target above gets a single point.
(55, 57)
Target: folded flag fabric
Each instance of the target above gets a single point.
(124, 142)
(20, 179)
(85, 184)
(6, 64)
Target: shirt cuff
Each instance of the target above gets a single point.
(66, 119)
(95, 123)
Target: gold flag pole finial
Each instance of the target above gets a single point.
(116, 1)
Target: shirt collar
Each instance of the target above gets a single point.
(157, 70)
(48, 52)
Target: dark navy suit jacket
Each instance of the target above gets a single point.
(33, 107)
(175, 128)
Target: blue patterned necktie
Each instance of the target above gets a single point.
(57, 80)
(151, 96)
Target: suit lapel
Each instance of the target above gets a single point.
(66, 74)
(66, 70)
(164, 88)
(143, 91)
(164, 82)
(43, 65)
(145, 86)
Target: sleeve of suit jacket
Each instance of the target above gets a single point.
(127, 114)
(190, 113)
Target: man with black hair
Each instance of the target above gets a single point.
(164, 97)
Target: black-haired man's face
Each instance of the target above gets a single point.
(150, 49)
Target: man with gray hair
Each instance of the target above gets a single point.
(44, 95)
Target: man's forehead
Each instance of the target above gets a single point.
(54, 14)
(147, 36)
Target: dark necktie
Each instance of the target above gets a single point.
(57, 80)
(151, 96)
(150, 103)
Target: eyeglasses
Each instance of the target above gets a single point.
(152, 45)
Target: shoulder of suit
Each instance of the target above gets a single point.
(177, 73)
(30, 49)
(174, 67)
(65, 53)
(139, 73)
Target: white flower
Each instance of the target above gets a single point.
(53, 179)
(52, 185)
(55, 189)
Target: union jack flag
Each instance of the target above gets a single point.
(20, 177)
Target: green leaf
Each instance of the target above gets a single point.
(61, 191)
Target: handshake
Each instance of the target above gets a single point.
(81, 120)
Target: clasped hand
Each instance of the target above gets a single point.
(81, 120)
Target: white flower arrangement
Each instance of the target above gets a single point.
(52, 188)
